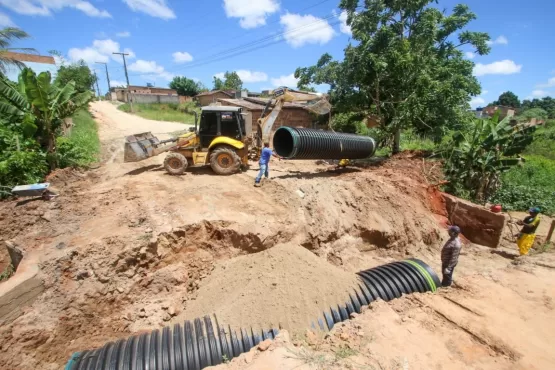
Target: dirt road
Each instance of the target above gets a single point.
(127, 248)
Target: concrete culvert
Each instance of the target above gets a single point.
(303, 143)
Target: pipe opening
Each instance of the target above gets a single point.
(283, 142)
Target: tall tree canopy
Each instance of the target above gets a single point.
(547, 104)
(79, 73)
(185, 86)
(231, 81)
(508, 99)
(406, 67)
(7, 36)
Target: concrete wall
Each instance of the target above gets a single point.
(206, 100)
(478, 224)
(150, 98)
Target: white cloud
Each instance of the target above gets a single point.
(252, 14)
(150, 70)
(123, 34)
(100, 51)
(106, 46)
(550, 83)
(45, 7)
(115, 83)
(5, 21)
(252, 76)
(477, 101)
(485, 92)
(504, 67)
(501, 40)
(89, 55)
(155, 8)
(289, 81)
(306, 29)
(182, 57)
(540, 93)
(246, 76)
(470, 55)
(346, 29)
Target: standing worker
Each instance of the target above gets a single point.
(450, 255)
(527, 235)
(264, 162)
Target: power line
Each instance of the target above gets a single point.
(248, 47)
(107, 76)
(130, 97)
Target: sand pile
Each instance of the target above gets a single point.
(285, 286)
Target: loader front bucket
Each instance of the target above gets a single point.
(140, 146)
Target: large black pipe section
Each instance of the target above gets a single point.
(385, 282)
(191, 346)
(203, 342)
(305, 143)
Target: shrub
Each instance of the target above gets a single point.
(23, 167)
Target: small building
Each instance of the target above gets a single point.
(504, 111)
(209, 97)
(38, 63)
(294, 115)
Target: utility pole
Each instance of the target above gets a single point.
(127, 78)
(97, 89)
(107, 78)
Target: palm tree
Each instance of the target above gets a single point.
(7, 36)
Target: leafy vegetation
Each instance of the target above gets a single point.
(82, 146)
(529, 114)
(33, 115)
(405, 67)
(186, 86)
(507, 99)
(231, 81)
(79, 73)
(7, 36)
(476, 156)
(7, 273)
(547, 104)
(164, 112)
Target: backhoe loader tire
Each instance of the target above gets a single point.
(225, 161)
(175, 164)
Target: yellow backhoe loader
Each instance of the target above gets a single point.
(221, 139)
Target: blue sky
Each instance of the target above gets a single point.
(197, 39)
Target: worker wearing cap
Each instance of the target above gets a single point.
(527, 235)
(450, 255)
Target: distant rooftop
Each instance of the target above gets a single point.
(35, 58)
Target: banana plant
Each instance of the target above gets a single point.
(39, 106)
(476, 157)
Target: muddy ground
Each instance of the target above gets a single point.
(127, 248)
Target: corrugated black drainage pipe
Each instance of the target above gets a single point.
(305, 143)
(191, 346)
(385, 282)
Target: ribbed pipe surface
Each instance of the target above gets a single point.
(191, 346)
(385, 282)
(305, 143)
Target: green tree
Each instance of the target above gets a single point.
(307, 88)
(40, 106)
(185, 86)
(547, 104)
(218, 84)
(7, 36)
(232, 81)
(79, 73)
(528, 114)
(406, 66)
(508, 99)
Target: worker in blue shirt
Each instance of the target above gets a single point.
(264, 162)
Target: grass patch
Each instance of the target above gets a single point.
(164, 112)
(529, 185)
(82, 146)
(7, 273)
(344, 352)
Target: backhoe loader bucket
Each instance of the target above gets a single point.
(139, 147)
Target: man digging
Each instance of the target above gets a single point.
(450, 255)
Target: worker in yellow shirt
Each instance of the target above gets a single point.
(527, 235)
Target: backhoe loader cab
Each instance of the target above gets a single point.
(219, 140)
